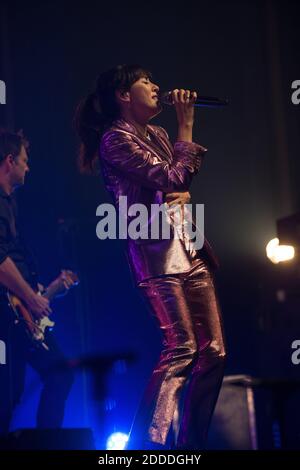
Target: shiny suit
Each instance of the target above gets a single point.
(177, 284)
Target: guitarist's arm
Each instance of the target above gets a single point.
(12, 279)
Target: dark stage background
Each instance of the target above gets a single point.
(248, 51)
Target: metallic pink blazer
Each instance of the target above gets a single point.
(145, 170)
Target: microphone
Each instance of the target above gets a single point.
(207, 101)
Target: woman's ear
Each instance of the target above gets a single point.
(123, 96)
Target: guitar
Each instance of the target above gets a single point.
(36, 328)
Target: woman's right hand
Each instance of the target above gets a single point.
(184, 101)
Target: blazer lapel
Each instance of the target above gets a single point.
(157, 145)
(162, 142)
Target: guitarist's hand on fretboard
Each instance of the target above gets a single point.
(62, 284)
(68, 280)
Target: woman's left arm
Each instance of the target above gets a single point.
(177, 198)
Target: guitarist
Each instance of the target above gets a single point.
(18, 276)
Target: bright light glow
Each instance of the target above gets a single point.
(278, 253)
(116, 441)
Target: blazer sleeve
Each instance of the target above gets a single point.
(121, 151)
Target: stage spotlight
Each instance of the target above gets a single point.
(116, 441)
(279, 253)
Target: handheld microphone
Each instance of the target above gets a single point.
(207, 101)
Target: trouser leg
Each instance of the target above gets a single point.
(202, 389)
(155, 414)
(12, 372)
(57, 380)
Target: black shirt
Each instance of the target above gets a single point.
(10, 242)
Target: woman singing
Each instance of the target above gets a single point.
(138, 161)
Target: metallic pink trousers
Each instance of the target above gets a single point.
(179, 400)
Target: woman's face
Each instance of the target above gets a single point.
(144, 98)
